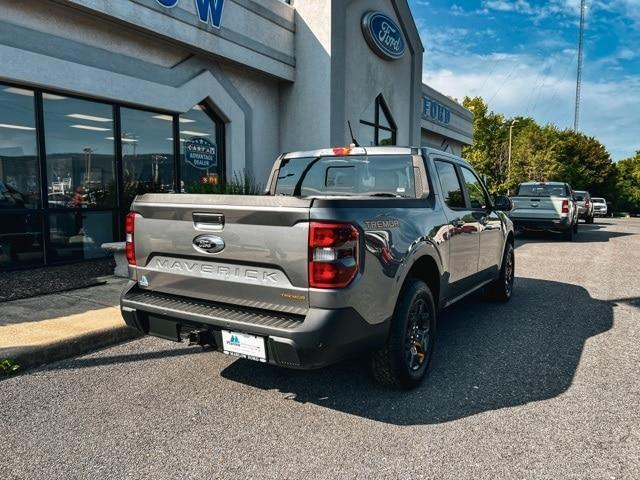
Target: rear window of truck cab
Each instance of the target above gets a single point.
(374, 175)
(542, 190)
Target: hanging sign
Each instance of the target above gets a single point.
(208, 11)
(383, 35)
(201, 153)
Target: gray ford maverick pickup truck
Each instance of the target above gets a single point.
(350, 251)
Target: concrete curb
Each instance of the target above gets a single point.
(37, 355)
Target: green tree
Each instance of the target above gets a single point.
(539, 153)
(534, 154)
(627, 184)
(488, 153)
(584, 162)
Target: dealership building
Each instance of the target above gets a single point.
(104, 100)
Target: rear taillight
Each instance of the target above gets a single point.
(129, 228)
(565, 206)
(333, 254)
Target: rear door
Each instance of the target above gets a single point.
(464, 227)
(243, 250)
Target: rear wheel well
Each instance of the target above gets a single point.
(426, 269)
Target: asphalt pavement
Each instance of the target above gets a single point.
(545, 387)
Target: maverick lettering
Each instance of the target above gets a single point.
(220, 272)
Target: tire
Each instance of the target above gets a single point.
(568, 234)
(589, 219)
(575, 228)
(403, 363)
(501, 289)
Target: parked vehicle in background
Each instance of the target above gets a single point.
(585, 205)
(545, 206)
(352, 251)
(600, 208)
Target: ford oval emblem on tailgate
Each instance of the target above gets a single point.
(208, 244)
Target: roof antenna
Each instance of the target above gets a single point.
(353, 139)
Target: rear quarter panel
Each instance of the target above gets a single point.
(395, 233)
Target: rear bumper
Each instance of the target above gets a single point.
(584, 213)
(320, 338)
(541, 223)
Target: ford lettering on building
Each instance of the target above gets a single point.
(303, 281)
(433, 110)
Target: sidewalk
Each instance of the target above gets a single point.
(43, 329)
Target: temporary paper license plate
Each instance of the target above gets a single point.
(244, 346)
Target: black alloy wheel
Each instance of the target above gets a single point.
(405, 359)
(501, 289)
(417, 341)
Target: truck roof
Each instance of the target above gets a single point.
(542, 183)
(391, 150)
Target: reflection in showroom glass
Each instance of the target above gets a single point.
(19, 173)
(80, 153)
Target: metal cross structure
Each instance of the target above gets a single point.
(576, 120)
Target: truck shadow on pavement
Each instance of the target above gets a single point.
(588, 234)
(488, 356)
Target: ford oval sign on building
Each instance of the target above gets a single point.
(383, 35)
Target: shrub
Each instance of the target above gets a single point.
(8, 367)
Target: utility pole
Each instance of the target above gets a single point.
(576, 119)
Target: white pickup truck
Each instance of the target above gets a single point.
(545, 206)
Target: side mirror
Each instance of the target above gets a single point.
(503, 203)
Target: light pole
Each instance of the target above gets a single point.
(513, 124)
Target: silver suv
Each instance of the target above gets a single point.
(600, 208)
(585, 205)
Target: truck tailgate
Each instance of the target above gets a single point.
(263, 260)
(537, 207)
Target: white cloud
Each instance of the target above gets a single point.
(522, 84)
(521, 6)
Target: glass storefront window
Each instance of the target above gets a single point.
(78, 235)
(199, 149)
(19, 173)
(66, 149)
(21, 240)
(147, 153)
(80, 153)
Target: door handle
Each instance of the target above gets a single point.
(208, 221)
(483, 221)
(458, 223)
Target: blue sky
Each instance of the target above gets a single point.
(521, 56)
